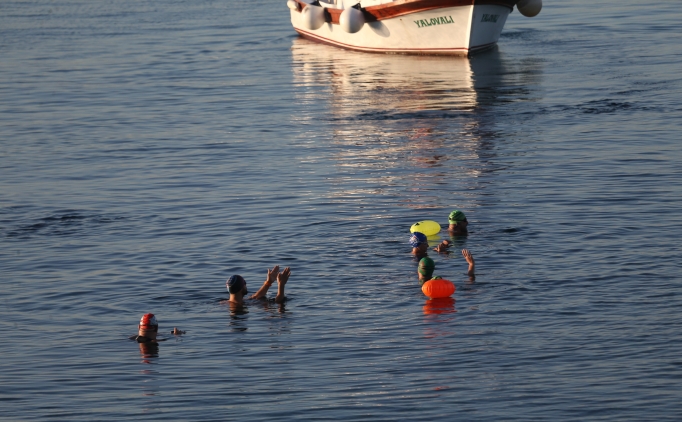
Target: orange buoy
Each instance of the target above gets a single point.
(438, 287)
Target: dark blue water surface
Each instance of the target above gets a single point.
(149, 150)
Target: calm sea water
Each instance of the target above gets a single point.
(148, 150)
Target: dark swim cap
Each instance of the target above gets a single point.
(456, 216)
(235, 284)
(417, 239)
(426, 267)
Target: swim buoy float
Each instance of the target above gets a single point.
(428, 227)
(438, 287)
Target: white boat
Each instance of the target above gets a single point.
(445, 27)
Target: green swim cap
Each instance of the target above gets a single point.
(426, 266)
(456, 216)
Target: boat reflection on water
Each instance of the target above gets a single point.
(406, 122)
(365, 85)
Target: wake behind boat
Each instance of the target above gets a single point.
(447, 27)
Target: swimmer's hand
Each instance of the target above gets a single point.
(468, 256)
(272, 275)
(177, 332)
(282, 279)
(470, 260)
(443, 246)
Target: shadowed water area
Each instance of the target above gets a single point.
(149, 150)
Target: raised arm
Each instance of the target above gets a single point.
(272, 276)
(282, 279)
(472, 264)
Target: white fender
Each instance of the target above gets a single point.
(291, 4)
(313, 17)
(529, 8)
(351, 20)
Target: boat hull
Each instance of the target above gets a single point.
(445, 27)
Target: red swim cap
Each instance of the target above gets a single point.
(148, 322)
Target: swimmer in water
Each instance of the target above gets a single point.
(443, 247)
(458, 223)
(147, 330)
(419, 244)
(177, 332)
(236, 285)
(425, 270)
(472, 264)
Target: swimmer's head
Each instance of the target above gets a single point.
(426, 267)
(419, 244)
(148, 327)
(458, 223)
(418, 239)
(456, 217)
(236, 284)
